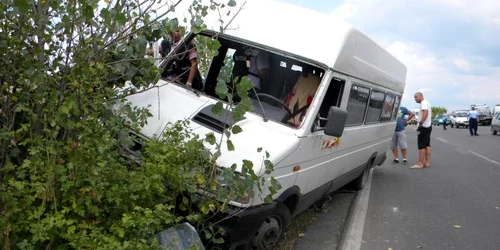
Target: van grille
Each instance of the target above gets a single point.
(210, 122)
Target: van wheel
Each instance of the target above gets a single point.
(493, 131)
(359, 183)
(269, 233)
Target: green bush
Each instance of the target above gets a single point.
(64, 183)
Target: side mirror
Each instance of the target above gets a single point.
(336, 121)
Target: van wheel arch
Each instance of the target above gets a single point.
(360, 181)
(290, 198)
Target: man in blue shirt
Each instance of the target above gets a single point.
(399, 136)
(472, 114)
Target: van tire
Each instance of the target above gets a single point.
(271, 230)
(359, 183)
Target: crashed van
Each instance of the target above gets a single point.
(325, 112)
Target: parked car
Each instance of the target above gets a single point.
(495, 124)
(459, 118)
(440, 119)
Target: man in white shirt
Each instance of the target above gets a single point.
(424, 132)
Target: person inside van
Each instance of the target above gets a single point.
(184, 67)
(252, 63)
(302, 94)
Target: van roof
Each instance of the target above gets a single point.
(318, 37)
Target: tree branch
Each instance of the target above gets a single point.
(119, 38)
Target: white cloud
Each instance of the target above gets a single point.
(462, 64)
(448, 69)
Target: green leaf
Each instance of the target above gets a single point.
(231, 3)
(234, 166)
(269, 166)
(236, 129)
(227, 133)
(259, 149)
(88, 12)
(106, 15)
(230, 145)
(244, 86)
(238, 112)
(248, 163)
(22, 6)
(217, 108)
(221, 89)
(210, 138)
(121, 19)
(268, 199)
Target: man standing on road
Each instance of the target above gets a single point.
(424, 132)
(472, 114)
(399, 136)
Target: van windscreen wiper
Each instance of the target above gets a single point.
(260, 105)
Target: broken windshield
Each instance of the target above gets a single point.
(274, 78)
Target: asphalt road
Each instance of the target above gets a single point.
(454, 204)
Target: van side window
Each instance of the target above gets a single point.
(375, 107)
(332, 97)
(356, 107)
(388, 108)
(396, 108)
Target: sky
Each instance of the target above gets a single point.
(451, 48)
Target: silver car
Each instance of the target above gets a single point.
(459, 118)
(495, 124)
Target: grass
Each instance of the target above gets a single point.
(296, 229)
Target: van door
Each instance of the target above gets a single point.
(318, 150)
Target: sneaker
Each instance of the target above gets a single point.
(405, 161)
(395, 161)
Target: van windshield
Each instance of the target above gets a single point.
(281, 90)
(461, 114)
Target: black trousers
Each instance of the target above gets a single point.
(473, 126)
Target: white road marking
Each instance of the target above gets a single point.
(443, 140)
(484, 158)
(354, 232)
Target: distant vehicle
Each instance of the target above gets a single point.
(459, 118)
(414, 120)
(484, 111)
(495, 124)
(496, 109)
(440, 119)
